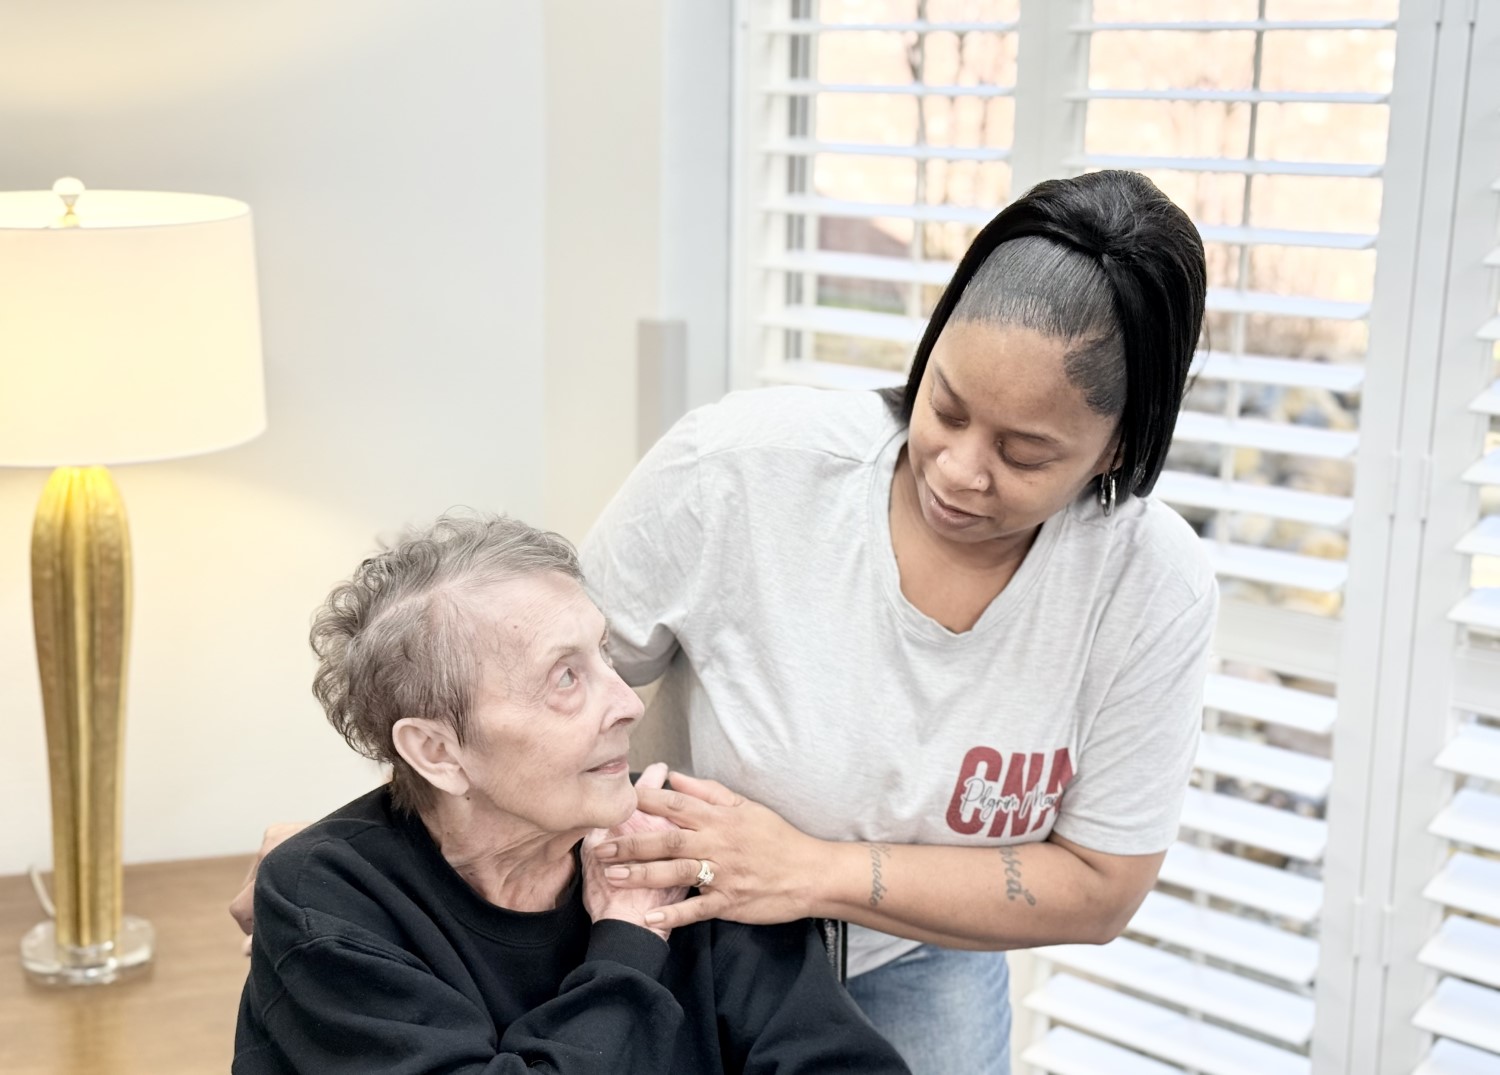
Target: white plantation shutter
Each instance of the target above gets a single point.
(1217, 971)
(1333, 902)
(1448, 855)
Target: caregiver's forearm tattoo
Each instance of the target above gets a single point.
(878, 854)
(1014, 889)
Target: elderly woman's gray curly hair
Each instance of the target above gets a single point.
(401, 637)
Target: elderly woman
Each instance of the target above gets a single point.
(449, 922)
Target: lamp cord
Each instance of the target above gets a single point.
(40, 887)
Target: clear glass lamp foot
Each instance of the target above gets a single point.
(50, 963)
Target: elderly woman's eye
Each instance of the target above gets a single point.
(567, 679)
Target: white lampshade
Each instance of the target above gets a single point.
(131, 336)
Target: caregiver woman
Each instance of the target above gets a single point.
(944, 632)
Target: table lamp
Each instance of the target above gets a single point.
(129, 333)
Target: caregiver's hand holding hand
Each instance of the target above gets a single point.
(242, 907)
(748, 863)
(605, 900)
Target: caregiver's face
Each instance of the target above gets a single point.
(1000, 439)
(552, 721)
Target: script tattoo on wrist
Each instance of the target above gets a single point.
(878, 854)
(1014, 889)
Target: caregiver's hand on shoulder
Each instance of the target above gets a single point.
(604, 900)
(762, 867)
(242, 907)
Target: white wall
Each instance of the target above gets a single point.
(393, 152)
(696, 177)
(603, 76)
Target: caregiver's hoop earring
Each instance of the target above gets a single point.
(1107, 492)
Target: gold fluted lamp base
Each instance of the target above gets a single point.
(80, 598)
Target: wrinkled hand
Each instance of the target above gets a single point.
(604, 900)
(242, 907)
(764, 868)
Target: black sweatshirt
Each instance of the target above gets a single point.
(371, 954)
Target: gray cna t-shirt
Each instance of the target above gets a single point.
(748, 561)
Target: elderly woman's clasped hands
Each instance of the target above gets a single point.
(742, 856)
(604, 899)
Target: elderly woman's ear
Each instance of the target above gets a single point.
(431, 748)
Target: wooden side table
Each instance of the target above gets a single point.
(176, 1018)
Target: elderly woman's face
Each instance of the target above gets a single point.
(552, 720)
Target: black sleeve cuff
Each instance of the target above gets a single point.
(623, 942)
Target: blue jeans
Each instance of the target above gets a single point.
(944, 1010)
